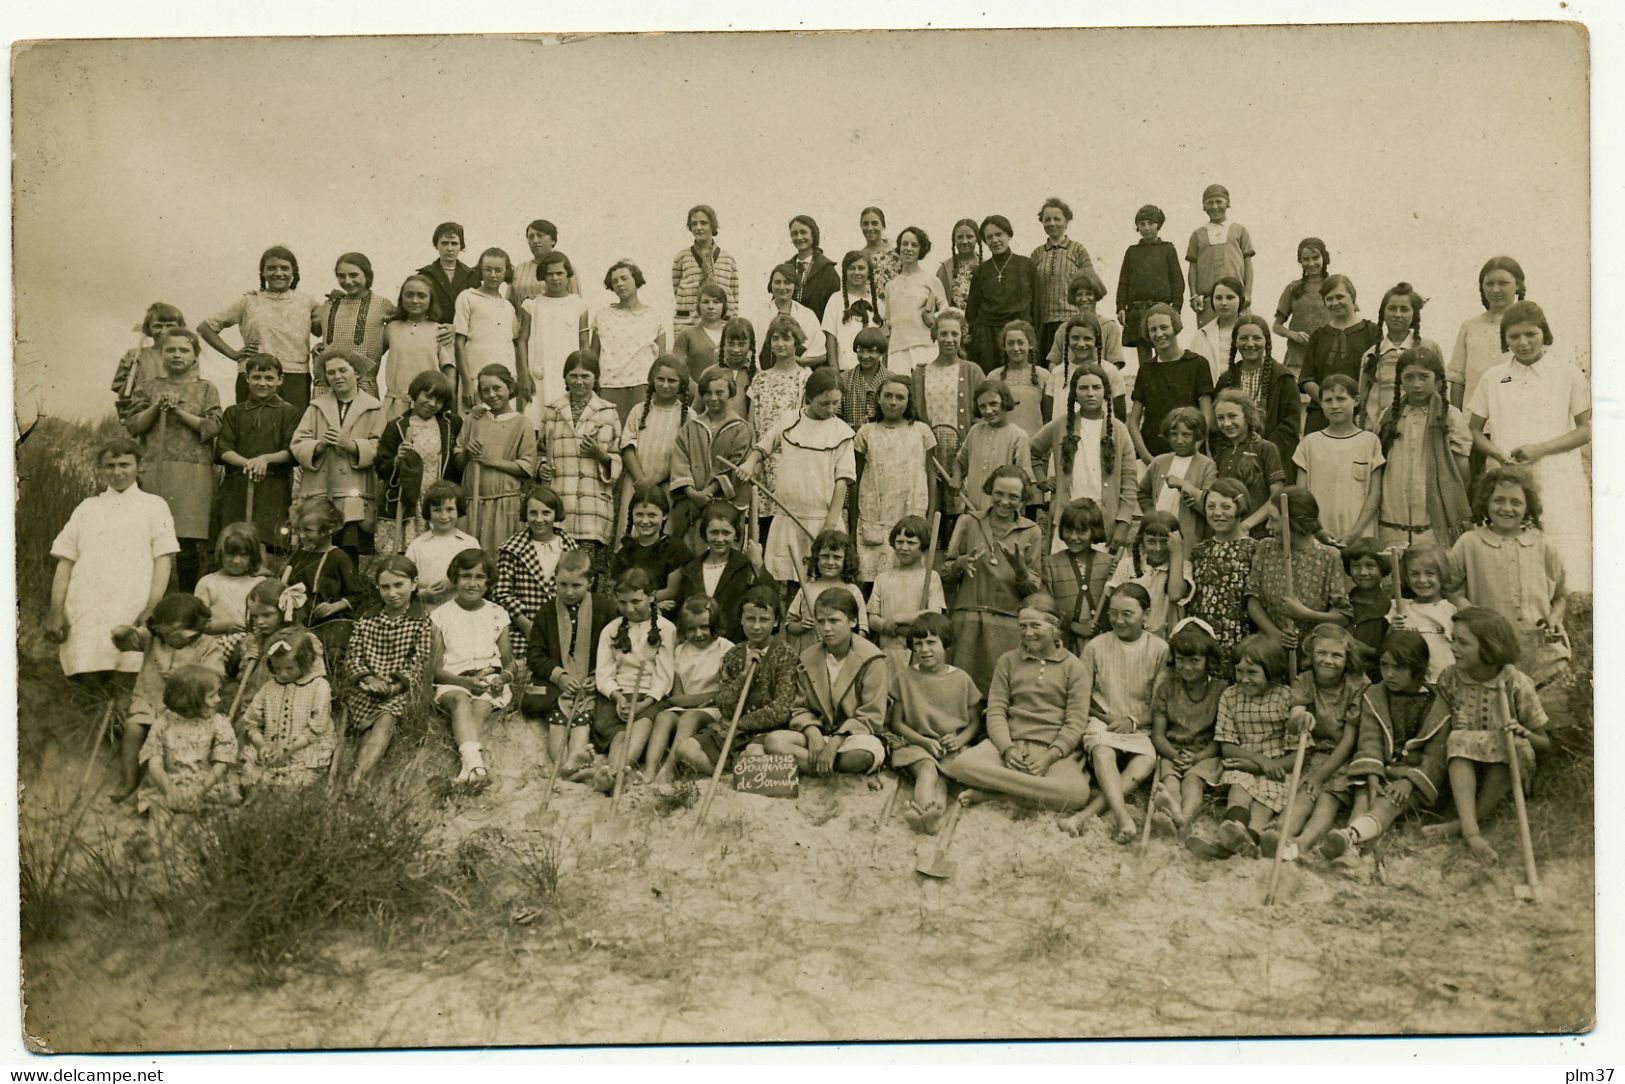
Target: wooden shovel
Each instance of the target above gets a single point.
(616, 827)
(1529, 891)
(727, 746)
(473, 490)
(930, 563)
(931, 858)
(248, 503)
(1286, 814)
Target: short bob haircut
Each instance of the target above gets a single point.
(1366, 549)
(719, 511)
(432, 382)
(357, 260)
(507, 262)
(952, 314)
(1163, 309)
(1193, 641)
(840, 602)
(714, 374)
(470, 559)
(353, 358)
(1354, 652)
(1135, 591)
(187, 691)
(1265, 652)
(637, 273)
(1507, 476)
(555, 257)
(1302, 507)
(239, 539)
(1189, 417)
(1497, 642)
(1520, 312)
(914, 526)
(1059, 204)
(785, 271)
(710, 216)
(1084, 514)
(870, 338)
(716, 293)
(1006, 471)
(545, 496)
(1232, 489)
(1500, 263)
(118, 446)
(281, 252)
(441, 491)
(764, 596)
(544, 227)
(180, 608)
(160, 310)
(788, 326)
(1409, 651)
(696, 607)
(319, 506)
(454, 229)
(1150, 213)
(930, 623)
(583, 359)
(1424, 556)
(984, 387)
(1347, 383)
(398, 565)
(256, 362)
(497, 371)
(920, 237)
(822, 381)
(1085, 280)
(1332, 282)
(832, 538)
(182, 333)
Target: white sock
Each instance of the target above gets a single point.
(1364, 827)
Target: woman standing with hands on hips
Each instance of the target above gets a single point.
(275, 320)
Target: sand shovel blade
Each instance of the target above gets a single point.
(931, 858)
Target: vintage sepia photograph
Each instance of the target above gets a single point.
(815, 537)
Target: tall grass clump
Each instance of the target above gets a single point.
(276, 875)
(1563, 821)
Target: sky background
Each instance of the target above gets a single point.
(159, 170)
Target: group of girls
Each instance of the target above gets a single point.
(540, 492)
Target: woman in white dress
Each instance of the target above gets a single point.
(113, 563)
(1536, 408)
(913, 298)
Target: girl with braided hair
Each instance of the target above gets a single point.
(636, 665)
(1401, 324)
(1085, 452)
(1025, 378)
(1251, 366)
(651, 430)
(1425, 443)
(856, 307)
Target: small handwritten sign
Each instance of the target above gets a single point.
(773, 776)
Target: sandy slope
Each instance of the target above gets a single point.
(797, 920)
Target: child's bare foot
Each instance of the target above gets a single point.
(1163, 824)
(1482, 850)
(601, 779)
(1167, 803)
(914, 815)
(933, 811)
(971, 796)
(1127, 831)
(1075, 824)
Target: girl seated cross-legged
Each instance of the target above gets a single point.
(840, 707)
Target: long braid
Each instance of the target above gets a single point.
(648, 401)
(1069, 445)
(1108, 448)
(622, 640)
(654, 628)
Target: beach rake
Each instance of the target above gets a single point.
(1530, 891)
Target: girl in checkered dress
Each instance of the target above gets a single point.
(581, 438)
(1251, 732)
(386, 662)
(528, 564)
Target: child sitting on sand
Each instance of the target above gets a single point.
(772, 693)
(1184, 707)
(841, 699)
(935, 712)
(562, 652)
